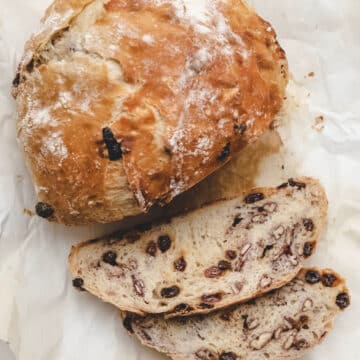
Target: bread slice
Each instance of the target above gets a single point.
(283, 324)
(224, 253)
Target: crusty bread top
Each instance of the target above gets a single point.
(182, 90)
(284, 324)
(221, 254)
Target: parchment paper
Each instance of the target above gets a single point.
(43, 318)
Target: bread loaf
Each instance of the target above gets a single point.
(283, 324)
(224, 253)
(116, 114)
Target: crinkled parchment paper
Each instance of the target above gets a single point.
(43, 318)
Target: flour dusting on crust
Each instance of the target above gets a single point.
(54, 145)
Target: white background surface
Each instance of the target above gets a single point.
(44, 319)
(5, 352)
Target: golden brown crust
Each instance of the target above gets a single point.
(181, 93)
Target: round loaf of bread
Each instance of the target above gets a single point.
(124, 104)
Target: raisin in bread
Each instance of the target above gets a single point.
(224, 253)
(283, 324)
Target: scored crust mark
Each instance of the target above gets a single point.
(113, 146)
(43, 210)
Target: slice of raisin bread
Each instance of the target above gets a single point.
(224, 253)
(283, 324)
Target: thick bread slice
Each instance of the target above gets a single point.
(224, 253)
(283, 324)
